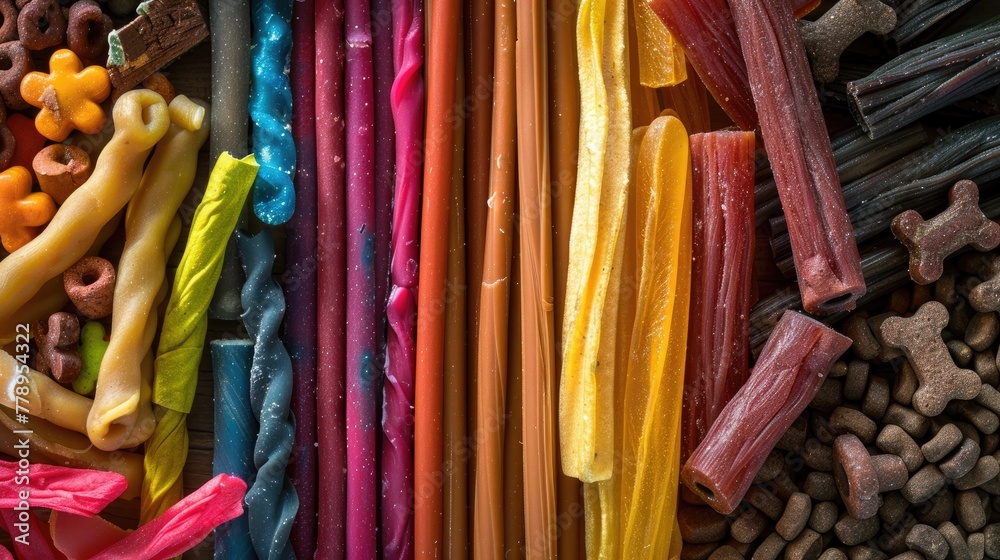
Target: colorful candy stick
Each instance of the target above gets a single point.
(442, 51)
(826, 255)
(40, 546)
(185, 324)
(491, 392)
(51, 401)
(478, 35)
(401, 312)
(585, 399)
(564, 126)
(114, 418)
(79, 491)
(51, 444)
(455, 439)
(271, 111)
(718, 334)
(141, 119)
(513, 435)
(385, 150)
(537, 327)
(271, 499)
(82, 537)
(301, 254)
(784, 380)
(651, 442)
(235, 432)
(331, 288)
(184, 525)
(661, 59)
(362, 317)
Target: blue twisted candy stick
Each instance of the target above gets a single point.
(271, 500)
(235, 430)
(271, 111)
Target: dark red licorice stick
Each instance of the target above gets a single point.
(705, 30)
(385, 156)
(300, 279)
(331, 538)
(722, 244)
(363, 398)
(788, 374)
(826, 256)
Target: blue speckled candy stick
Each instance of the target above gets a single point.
(363, 387)
(271, 500)
(235, 431)
(271, 111)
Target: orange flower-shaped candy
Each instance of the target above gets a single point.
(69, 96)
(22, 212)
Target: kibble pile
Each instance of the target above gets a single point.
(898, 455)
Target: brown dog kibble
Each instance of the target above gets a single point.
(987, 468)
(982, 331)
(853, 531)
(862, 479)
(943, 443)
(771, 549)
(970, 510)
(748, 526)
(920, 339)
(927, 541)
(895, 440)
(702, 525)
(851, 421)
(823, 517)
(907, 419)
(931, 241)
(961, 461)
(924, 484)
(864, 344)
(958, 548)
(807, 546)
(856, 381)
(795, 517)
(820, 486)
(876, 398)
(90, 285)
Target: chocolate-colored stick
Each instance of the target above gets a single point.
(230, 122)
(826, 256)
(788, 374)
(385, 152)
(331, 283)
(300, 277)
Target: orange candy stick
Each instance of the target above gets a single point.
(442, 48)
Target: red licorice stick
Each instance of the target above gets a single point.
(397, 422)
(722, 244)
(826, 256)
(706, 31)
(363, 399)
(300, 277)
(331, 536)
(791, 368)
(442, 51)
(385, 152)
(80, 491)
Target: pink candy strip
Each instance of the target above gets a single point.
(79, 491)
(31, 542)
(185, 524)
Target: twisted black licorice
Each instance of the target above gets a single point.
(921, 81)
(913, 17)
(884, 265)
(856, 155)
(271, 500)
(919, 181)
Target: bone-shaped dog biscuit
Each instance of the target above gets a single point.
(931, 241)
(919, 337)
(826, 38)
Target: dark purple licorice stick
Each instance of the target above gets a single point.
(785, 379)
(363, 375)
(826, 256)
(331, 537)
(397, 419)
(385, 149)
(300, 278)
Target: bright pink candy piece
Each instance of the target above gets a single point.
(5, 554)
(185, 524)
(80, 491)
(80, 538)
(30, 535)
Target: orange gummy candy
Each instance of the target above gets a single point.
(22, 212)
(69, 96)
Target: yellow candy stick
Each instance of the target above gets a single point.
(661, 59)
(602, 499)
(185, 325)
(655, 382)
(586, 396)
(141, 119)
(114, 419)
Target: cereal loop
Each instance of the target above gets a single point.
(41, 24)
(90, 285)
(87, 33)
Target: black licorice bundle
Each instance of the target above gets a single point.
(926, 79)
